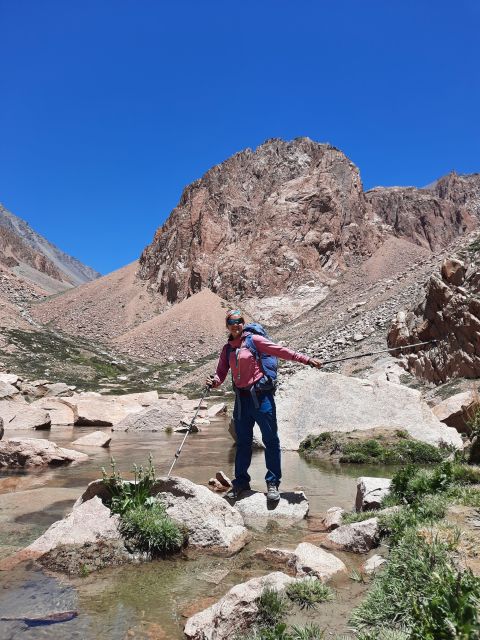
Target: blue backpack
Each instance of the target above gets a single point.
(268, 364)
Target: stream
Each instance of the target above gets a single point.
(153, 600)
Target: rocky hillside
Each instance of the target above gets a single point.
(29, 250)
(449, 313)
(263, 223)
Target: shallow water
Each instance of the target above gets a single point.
(147, 601)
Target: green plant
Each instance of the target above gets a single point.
(309, 632)
(149, 529)
(272, 607)
(311, 443)
(309, 592)
(126, 495)
(84, 571)
(425, 512)
(437, 599)
(357, 576)
(358, 516)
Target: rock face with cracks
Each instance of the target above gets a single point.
(312, 402)
(237, 611)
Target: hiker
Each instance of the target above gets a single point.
(252, 359)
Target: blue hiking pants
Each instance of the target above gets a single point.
(245, 415)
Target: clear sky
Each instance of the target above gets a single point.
(110, 107)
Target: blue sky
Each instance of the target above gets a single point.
(110, 107)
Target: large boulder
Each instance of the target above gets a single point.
(35, 452)
(237, 611)
(20, 416)
(212, 524)
(9, 378)
(311, 402)
(456, 411)
(257, 512)
(7, 391)
(312, 560)
(358, 537)
(90, 521)
(95, 409)
(370, 493)
(61, 413)
(162, 416)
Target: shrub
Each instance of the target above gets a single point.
(149, 529)
(397, 523)
(127, 495)
(309, 592)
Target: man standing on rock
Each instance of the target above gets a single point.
(251, 357)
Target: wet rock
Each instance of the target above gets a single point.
(82, 559)
(236, 611)
(163, 416)
(358, 537)
(311, 402)
(90, 521)
(256, 511)
(370, 493)
(20, 416)
(373, 564)
(273, 555)
(95, 439)
(333, 518)
(312, 560)
(35, 452)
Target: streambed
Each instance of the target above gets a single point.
(151, 600)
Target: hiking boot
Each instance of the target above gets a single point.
(273, 495)
(235, 492)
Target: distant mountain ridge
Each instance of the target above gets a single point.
(46, 257)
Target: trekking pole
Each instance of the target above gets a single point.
(372, 353)
(190, 426)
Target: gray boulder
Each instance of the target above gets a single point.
(370, 493)
(236, 611)
(35, 452)
(22, 416)
(7, 390)
(95, 439)
(312, 402)
(163, 415)
(333, 518)
(312, 560)
(358, 537)
(257, 512)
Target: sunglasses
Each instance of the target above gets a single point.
(237, 321)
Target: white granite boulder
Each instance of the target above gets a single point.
(311, 402)
(257, 511)
(9, 378)
(371, 492)
(333, 518)
(161, 416)
(61, 413)
(95, 439)
(22, 416)
(35, 452)
(7, 391)
(237, 611)
(96, 409)
(456, 410)
(312, 560)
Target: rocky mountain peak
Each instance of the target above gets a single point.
(263, 222)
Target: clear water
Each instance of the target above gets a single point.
(149, 600)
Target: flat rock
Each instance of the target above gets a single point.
(358, 537)
(20, 415)
(370, 493)
(90, 521)
(95, 439)
(311, 402)
(217, 409)
(312, 560)
(162, 416)
(237, 611)
(35, 452)
(60, 412)
(7, 390)
(256, 511)
(9, 378)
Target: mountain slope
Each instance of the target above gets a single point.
(50, 258)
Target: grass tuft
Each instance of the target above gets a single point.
(309, 592)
